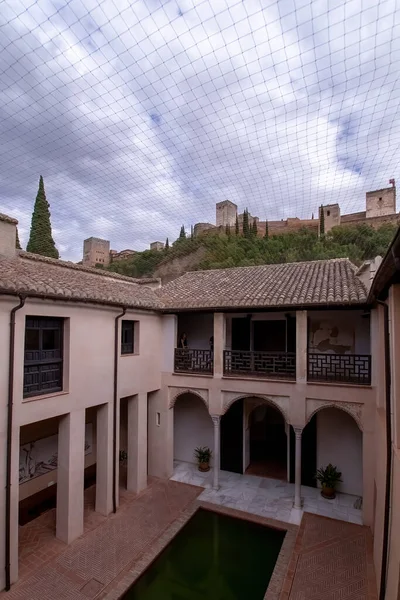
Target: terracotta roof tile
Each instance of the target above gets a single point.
(8, 219)
(40, 276)
(325, 282)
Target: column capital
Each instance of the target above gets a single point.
(298, 431)
(216, 419)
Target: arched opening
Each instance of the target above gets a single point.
(333, 436)
(253, 439)
(193, 427)
(267, 443)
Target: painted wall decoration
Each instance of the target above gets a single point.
(326, 336)
(40, 457)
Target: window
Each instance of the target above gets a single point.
(128, 341)
(328, 213)
(43, 359)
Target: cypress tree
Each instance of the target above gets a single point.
(167, 244)
(246, 230)
(17, 242)
(254, 228)
(266, 235)
(237, 226)
(227, 229)
(191, 232)
(40, 238)
(182, 234)
(321, 221)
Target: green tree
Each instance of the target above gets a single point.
(191, 232)
(40, 238)
(182, 234)
(246, 229)
(227, 229)
(254, 228)
(167, 244)
(321, 221)
(237, 226)
(17, 242)
(266, 234)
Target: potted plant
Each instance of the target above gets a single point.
(203, 455)
(328, 478)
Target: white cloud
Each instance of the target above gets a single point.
(141, 116)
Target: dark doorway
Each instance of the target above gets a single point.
(241, 334)
(268, 443)
(269, 336)
(232, 439)
(308, 454)
(290, 333)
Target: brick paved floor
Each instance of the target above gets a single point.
(331, 560)
(50, 569)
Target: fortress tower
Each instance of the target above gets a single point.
(226, 212)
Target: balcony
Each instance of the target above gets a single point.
(246, 363)
(339, 368)
(190, 361)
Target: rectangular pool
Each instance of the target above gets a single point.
(213, 557)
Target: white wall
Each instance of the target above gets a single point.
(339, 441)
(192, 427)
(352, 331)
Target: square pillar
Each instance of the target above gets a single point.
(301, 346)
(161, 435)
(219, 344)
(104, 459)
(169, 342)
(70, 476)
(137, 443)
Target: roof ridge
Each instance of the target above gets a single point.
(71, 265)
(299, 262)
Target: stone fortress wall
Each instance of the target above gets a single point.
(380, 208)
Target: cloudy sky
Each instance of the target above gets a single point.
(142, 114)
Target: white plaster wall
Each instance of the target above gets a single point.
(353, 330)
(339, 441)
(199, 327)
(192, 427)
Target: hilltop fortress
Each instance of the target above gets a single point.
(380, 208)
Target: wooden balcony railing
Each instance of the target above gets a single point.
(245, 363)
(339, 368)
(188, 360)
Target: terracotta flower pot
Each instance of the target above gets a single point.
(204, 466)
(328, 493)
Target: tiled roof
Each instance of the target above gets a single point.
(47, 277)
(316, 283)
(8, 219)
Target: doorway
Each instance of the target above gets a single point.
(268, 443)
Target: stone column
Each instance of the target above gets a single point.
(219, 344)
(301, 346)
(70, 476)
(297, 480)
(104, 459)
(137, 443)
(216, 422)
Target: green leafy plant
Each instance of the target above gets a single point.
(328, 477)
(202, 454)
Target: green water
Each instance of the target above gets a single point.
(214, 557)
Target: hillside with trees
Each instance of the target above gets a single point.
(358, 243)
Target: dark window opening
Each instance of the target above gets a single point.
(328, 212)
(128, 337)
(43, 358)
(380, 199)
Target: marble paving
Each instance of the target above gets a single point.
(269, 498)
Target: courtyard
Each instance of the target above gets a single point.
(114, 551)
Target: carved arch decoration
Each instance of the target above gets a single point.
(352, 408)
(175, 393)
(281, 403)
